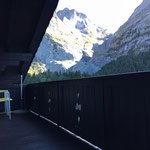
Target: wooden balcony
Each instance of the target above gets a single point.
(28, 132)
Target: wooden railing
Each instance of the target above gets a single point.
(112, 112)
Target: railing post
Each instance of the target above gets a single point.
(21, 91)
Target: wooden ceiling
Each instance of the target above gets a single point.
(22, 26)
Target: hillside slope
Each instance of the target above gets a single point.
(132, 37)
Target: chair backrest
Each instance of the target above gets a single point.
(6, 94)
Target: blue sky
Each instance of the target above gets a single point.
(108, 14)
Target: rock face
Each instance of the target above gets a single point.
(69, 40)
(132, 37)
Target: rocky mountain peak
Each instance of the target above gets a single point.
(68, 40)
(70, 14)
(74, 18)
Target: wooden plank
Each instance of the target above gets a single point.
(8, 83)
(9, 86)
(2, 68)
(5, 64)
(8, 63)
(12, 70)
(25, 68)
(16, 56)
(14, 77)
(9, 80)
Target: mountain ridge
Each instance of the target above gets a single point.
(132, 37)
(73, 43)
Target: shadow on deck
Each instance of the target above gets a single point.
(28, 132)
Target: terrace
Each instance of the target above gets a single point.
(111, 112)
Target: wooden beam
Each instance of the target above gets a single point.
(25, 68)
(8, 63)
(6, 82)
(14, 77)
(2, 68)
(13, 69)
(8, 86)
(27, 57)
(4, 86)
(4, 64)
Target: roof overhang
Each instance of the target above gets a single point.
(23, 24)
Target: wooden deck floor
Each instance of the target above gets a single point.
(27, 132)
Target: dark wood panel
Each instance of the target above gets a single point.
(9, 63)
(15, 56)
